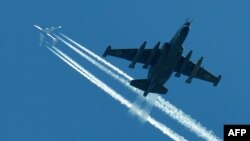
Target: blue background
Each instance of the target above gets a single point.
(41, 98)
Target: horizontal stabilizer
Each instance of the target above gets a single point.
(143, 84)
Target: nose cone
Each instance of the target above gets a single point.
(184, 30)
(187, 23)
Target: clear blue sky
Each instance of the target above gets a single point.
(41, 98)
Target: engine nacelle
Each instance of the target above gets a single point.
(195, 70)
(184, 64)
(138, 54)
(152, 55)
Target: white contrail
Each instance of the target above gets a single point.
(141, 104)
(167, 131)
(102, 67)
(159, 102)
(99, 58)
(108, 71)
(94, 62)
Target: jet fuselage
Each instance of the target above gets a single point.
(163, 62)
(170, 54)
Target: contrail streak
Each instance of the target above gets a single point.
(94, 62)
(141, 104)
(167, 131)
(99, 58)
(158, 101)
(108, 71)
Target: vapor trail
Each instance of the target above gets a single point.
(94, 62)
(99, 58)
(109, 72)
(157, 100)
(125, 82)
(102, 67)
(167, 131)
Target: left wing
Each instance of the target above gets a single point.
(141, 55)
(193, 70)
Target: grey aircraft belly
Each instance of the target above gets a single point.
(162, 62)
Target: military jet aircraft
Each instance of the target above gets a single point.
(163, 62)
(48, 33)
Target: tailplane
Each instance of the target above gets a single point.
(143, 84)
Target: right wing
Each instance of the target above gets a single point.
(141, 55)
(128, 54)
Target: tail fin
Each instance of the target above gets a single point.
(143, 84)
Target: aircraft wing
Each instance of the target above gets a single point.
(200, 72)
(129, 54)
(141, 55)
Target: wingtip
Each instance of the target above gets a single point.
(218, 80)
(106, 51)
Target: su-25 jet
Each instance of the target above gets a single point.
(163, 62)
(47, 32)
